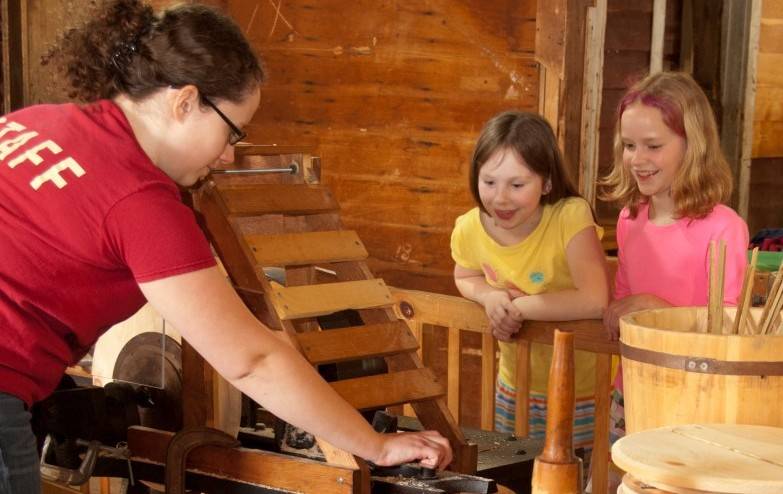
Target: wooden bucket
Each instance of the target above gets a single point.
(673, 374)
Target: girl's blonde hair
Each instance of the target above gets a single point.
(704, 178)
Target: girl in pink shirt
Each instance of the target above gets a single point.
(672, 178)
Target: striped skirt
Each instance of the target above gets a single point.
(505, 404)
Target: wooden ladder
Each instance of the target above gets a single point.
(293, 223)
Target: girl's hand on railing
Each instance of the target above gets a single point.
(626, 305)
(498, 307)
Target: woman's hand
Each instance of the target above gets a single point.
(428, 447)
(626, 305)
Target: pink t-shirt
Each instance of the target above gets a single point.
(672, 261)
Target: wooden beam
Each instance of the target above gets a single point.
(393, 388)
(749, 101)
(603, 376)
(296, 302)
(273, 470)
(736, 30)
(560, 48)
(591, 100)
(686, 37)
(454, 357)
(13, 44)
(488, 373)
(340, 345)
(656, 38)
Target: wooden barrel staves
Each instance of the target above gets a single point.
(674, 372)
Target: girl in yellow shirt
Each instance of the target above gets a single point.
(530, 250)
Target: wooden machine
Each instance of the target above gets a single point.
(324, 298)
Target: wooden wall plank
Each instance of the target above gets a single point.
(392, 94)
(768, 113)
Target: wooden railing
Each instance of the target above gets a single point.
(456, 314)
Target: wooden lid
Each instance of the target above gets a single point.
(720, 458)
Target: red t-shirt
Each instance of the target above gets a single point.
(84, 217)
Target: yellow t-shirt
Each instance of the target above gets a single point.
(538, 264)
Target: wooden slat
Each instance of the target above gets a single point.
(591, 99)
(686, 37)
(522, 409)
(603, 377)
(255, 466)
(298, 302)
(297, 249)
(454, 353)
(488, 370)
(658, 31)
(418, 332)
(277, 199)
(394, 388)
(340, 345)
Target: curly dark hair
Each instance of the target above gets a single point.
(126, 48)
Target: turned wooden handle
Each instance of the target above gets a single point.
(558, 444)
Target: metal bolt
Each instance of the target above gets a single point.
(691, 365)
(703, 366)
(407, 310)
(340, 480)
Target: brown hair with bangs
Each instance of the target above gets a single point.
(531, 137)
(704, 178)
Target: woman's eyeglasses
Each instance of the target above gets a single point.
(236, 134)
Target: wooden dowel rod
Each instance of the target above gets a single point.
(744, 302)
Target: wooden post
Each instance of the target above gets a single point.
(686, 37)
(560, 49)
(600, 458)
(13, 44)
(656, 40)
(591, 99)
(556, 470)
(488, 370)
(522, 386)
(454, 352)
(748, 108)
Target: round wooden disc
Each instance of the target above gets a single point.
(631, 485)
(719, 458)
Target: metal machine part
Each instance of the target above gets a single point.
(82, 474)
(293, 169)
(183, 443)
(148, 361)
(407, 480)
(415, 478)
